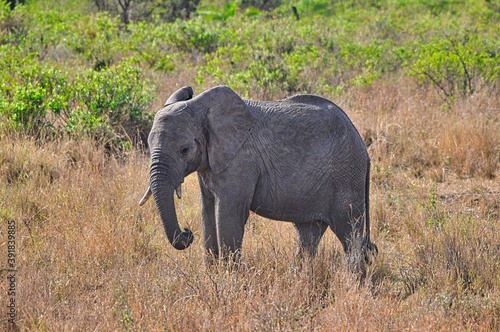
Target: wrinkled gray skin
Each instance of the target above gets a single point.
(298, 159)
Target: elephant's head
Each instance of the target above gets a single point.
(200, 134)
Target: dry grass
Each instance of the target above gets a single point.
(88, 258)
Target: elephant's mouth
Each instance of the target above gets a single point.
(148, 193)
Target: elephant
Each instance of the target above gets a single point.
(299, 160)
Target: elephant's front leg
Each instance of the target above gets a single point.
(209, 224)
(231, 215)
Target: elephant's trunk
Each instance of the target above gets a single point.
(163, 193)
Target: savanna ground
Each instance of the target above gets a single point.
(87, 257)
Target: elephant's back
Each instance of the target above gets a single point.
(309, 99)
(305, 129)
(305, 117)
(327, 114)
(326, 109)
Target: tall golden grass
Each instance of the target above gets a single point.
(89, 259)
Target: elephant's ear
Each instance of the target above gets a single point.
(229, 124)
(182, 94)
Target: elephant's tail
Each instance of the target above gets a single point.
(367, 202)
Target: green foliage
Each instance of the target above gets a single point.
(459, 65)
(260, 4)
(13, 3)
(85, 71)
(269, 71)
(110, 99)
(219, 14)
(321, 7)
(141, 10)
(194, 35)
(230, 9)
(317, 56)
(4, 9)
(435, 217)
(39, 98)
(30, 91)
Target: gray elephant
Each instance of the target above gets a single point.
(299, 159)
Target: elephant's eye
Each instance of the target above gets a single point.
(184, 150)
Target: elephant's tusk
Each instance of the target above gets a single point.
(145, 197)
(178, 191)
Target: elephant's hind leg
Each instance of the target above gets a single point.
(348, 226)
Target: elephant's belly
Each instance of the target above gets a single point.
(294, 195)
(298, 210)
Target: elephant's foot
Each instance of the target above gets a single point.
(224, 261)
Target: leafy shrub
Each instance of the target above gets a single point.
(40, 99)
(114, 100)
(138, 10)
(248, 8)
(33, 95)
(322, 7)
(219, 14)
(315, 55)
(194, 35)
(458, 66)
(260, 4)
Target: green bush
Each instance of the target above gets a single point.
(115, 99)
(33, 95)
(194, 36)
(40, 99)
(317, 55)
(458, 66)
